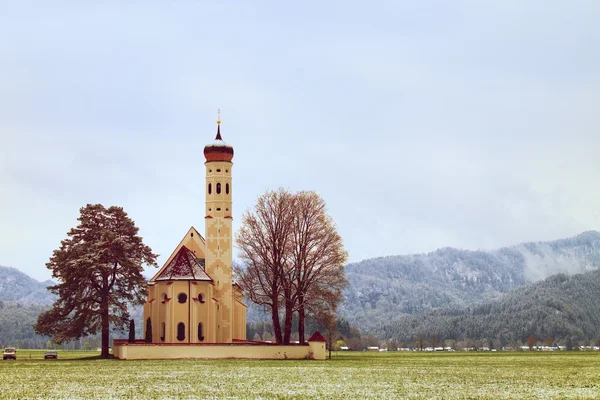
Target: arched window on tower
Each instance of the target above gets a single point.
(163, 332)
(209, 188)
(180, 331)
(227, 188)
(200, 332)
(218, 188)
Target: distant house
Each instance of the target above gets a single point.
(373, 348)
(344, 348)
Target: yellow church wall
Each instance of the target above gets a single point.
(171, 312)
(239, 314)
(180, 311)
(125, 351)
(201, 312)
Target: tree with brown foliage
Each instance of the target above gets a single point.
(531, 341)
(328, 322)
(99, 270)
(264, 242)
(293, 258)
(318, 259)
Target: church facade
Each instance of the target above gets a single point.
(192, 298)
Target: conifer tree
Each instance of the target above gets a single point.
(148, 337)
(131, 331)
(99, 269)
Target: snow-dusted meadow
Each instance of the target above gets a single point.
(349, 375)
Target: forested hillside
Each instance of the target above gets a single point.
(383, 289)
(22, 299)
(561, 306)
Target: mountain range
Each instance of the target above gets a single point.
(386, 288)
(19, 287)
(400, 296)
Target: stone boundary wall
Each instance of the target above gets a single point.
(124, 350)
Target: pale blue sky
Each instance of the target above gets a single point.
(425, 124)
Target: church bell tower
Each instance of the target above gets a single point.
(218, 233)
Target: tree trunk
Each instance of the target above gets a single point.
(301, 315)
(276, 324)
(105, 327)
(287, 327)
(289, 314)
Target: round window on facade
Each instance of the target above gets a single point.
(182, 297)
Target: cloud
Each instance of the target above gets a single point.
(463, 124)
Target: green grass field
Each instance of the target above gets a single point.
(79, 375)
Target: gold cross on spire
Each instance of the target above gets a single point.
(218, 116)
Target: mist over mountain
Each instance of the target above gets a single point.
(385, 288)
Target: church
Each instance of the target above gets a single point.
(192, 298)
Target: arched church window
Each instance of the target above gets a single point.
(200, 332)
(163, 298)
(163, 330)
(180, 331)
(201, 298)
(218, 188)
(182, 297)
(227, 188)
(209, 188)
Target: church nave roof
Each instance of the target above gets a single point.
(184, 266)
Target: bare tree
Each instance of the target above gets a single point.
(293, 258)
(328, 321)
(263, 240)
(318, 257)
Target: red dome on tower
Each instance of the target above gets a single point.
(218, 150)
